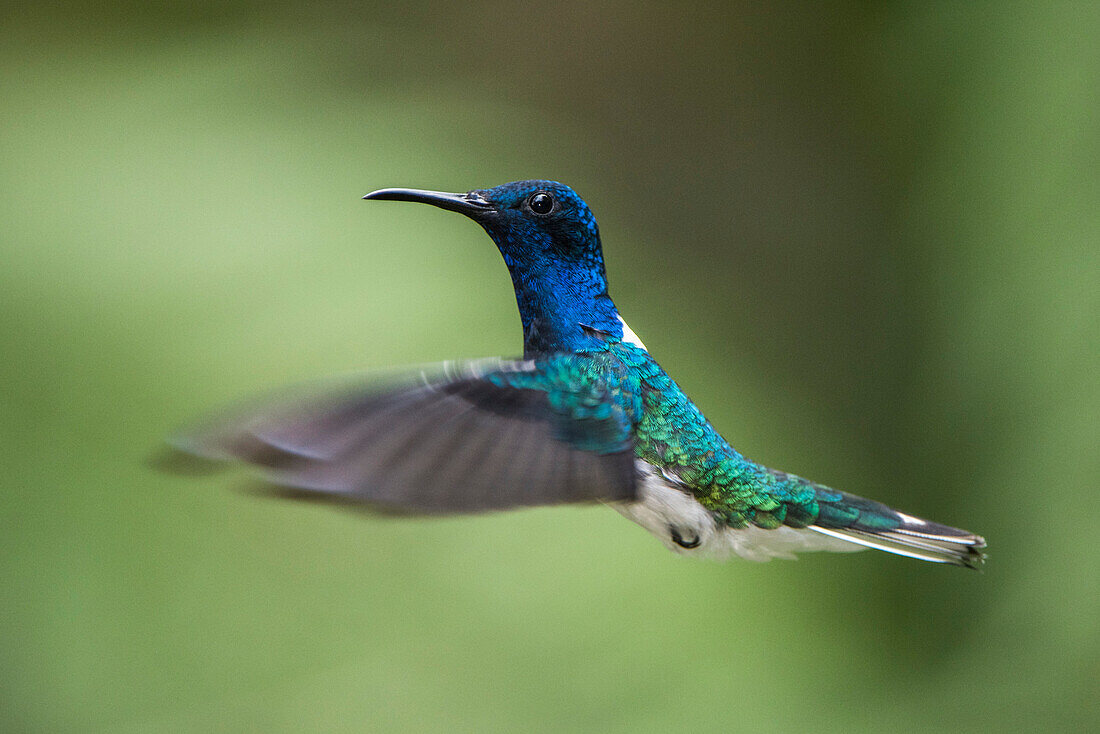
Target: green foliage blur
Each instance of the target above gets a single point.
(865, 237)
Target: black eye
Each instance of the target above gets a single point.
(541, 203)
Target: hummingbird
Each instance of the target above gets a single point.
(585, 416)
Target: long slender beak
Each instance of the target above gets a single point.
(472, 203)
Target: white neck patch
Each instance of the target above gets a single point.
(630, 337)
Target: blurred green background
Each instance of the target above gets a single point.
(864, 237)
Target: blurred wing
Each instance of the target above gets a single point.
(485, 436)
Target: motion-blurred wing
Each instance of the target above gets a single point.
(484, 436)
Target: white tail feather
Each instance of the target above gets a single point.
(957, 550)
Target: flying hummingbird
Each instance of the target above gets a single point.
(586, 415)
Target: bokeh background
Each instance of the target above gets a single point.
(865, 237)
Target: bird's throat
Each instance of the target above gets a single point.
(560, 316)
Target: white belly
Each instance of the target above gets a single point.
(670, 512)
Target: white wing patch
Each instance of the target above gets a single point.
(668, 511)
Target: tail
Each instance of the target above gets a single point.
(874, 525)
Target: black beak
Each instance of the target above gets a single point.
(472, 203)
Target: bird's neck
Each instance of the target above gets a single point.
(560, 313)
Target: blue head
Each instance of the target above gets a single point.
(551, 244)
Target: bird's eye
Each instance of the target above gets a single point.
(541, 203)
